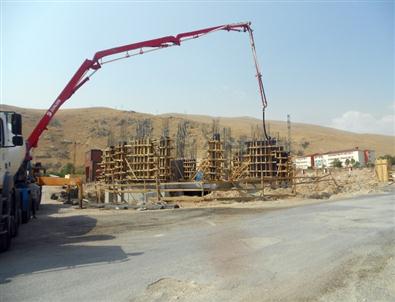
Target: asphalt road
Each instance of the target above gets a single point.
(333, 251)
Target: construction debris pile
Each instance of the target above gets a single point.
(339, 182)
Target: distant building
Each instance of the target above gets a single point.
(322, 160)
(92, 161)
(304, 162)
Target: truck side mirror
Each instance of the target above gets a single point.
(16, 124)
(17, 140)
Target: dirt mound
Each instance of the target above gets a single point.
(340, 182)
(226, 194)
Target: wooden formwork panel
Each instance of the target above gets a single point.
(214, 169)
(142, 159)
(263, 158)
(189, 165)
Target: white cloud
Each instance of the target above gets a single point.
(361, 122)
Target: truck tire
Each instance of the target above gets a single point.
(11, 217)
(15, 213)
(6, 229)
(5, 238)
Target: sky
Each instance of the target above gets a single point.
(329, 63)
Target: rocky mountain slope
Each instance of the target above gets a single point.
(78, 130)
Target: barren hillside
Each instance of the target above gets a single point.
(95, 127)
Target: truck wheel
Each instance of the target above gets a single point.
(6, 228)
(16, 213)
(5, 238)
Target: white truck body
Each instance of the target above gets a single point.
(11, 157)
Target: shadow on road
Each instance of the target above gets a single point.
(58, 243)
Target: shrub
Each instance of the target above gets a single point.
(305, 144)
(55, 123)
(356, 164)
(337, 163)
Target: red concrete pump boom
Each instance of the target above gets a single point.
(81, 76)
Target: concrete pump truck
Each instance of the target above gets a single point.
(17, 187)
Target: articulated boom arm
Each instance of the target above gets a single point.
(81, 76)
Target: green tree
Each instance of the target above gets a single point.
(347, 162)
(336, 163)
(67, 169)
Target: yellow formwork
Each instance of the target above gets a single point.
(383, 170)
(58, 181)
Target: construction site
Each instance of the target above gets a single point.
(167, 168)
(123, 205)
(147, 170)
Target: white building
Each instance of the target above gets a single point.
(304, 162)
(323, 160)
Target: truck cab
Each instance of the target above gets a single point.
(12, 148)
(12, 155)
